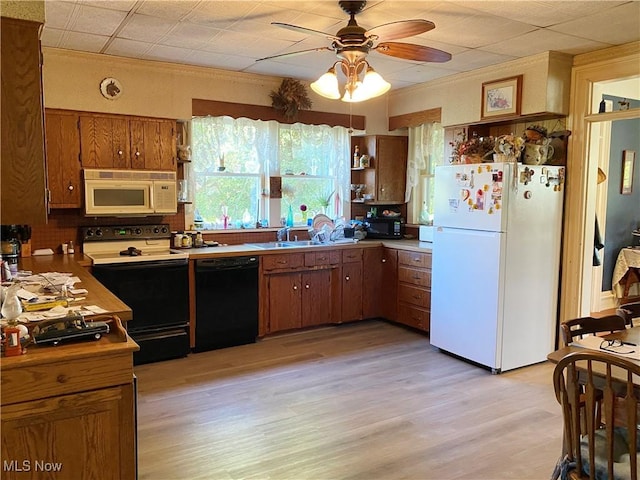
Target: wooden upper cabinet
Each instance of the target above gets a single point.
(386, 176)
(104, 141)
(112, 141)
(153, 144)
(64, 172)
(23, 192)
(391, 168)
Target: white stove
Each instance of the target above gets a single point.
(127, 244)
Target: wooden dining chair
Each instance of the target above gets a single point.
(579, 327)
(629, 311)
(602, 451)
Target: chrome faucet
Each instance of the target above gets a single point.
(280, 235)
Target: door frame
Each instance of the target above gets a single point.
(603, 65)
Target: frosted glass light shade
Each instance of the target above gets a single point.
(373, 84)
(327, 85)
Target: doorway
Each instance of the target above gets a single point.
(608, 65)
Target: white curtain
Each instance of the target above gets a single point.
(260, 141)
(425, 152)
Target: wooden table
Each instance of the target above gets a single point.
(631, 335)
(626, 272)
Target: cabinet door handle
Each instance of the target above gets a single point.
(119, 152)
(295, 287)
(347, 278)
(282, 262)
(322, 258)
(416, 259)
(70, 187)
(137, 153)
(416, 277)
(417, 297)
(384, 260)
(306, 286)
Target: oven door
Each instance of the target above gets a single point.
(156, 291)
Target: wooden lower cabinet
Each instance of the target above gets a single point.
(352, 284)
(299, 298)
(70, 436)
(68, 412)
(414, 289)
(380, 290)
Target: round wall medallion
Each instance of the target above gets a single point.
(110, 88)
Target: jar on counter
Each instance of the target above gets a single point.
(199, 241)
(177, 240)
(186, 241)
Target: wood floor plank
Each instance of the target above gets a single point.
(367, 400)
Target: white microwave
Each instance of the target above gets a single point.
(122, 193)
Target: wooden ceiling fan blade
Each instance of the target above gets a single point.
(308, 31)
(401, 29)
(410, 51)
(293, 54)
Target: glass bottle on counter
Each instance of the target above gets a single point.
(199, 241)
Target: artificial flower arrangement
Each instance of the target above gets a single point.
(477, 147)
(509, 145)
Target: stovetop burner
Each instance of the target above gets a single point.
(141, 243)
(131, 252)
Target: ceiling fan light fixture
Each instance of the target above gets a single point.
(327, 85)
(373, 83)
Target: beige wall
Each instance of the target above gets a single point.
(546, 83)
(157, 89)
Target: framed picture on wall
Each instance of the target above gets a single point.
(628, 160)
(501, 98)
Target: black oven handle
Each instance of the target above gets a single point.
(146, 265)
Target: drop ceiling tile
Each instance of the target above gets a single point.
(539, 13)
(58, 14)
(219, 14)
(543, 40)
(85, 42)
(128, 48)
(473, 59)
(167, 54)
(416, 74)
(51, 37)
(169, 9)
(220, 60)
(122, 5)
(146, 29)
(190, 36)
(614, 26)
(89, 19)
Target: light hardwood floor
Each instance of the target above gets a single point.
(367, 400)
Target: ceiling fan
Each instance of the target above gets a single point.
(352, 44)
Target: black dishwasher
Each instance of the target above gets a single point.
(226, 302)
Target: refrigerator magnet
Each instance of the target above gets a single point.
(480, 199)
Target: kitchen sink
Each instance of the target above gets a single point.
(299, 243)
(284, 244)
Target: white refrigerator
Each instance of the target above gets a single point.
(496, 262)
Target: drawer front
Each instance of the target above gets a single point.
(49, 380)
(415, 276)
(414, 259)
(414, 317)
(351, 255)
(328, 257)
(283, 262)
(418, 296)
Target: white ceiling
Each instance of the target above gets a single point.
(232, 34)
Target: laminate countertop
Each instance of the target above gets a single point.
(250, 249)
